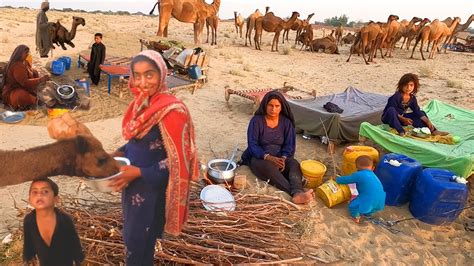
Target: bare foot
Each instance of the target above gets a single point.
(303, 197)
(440, 133)
(356, 219)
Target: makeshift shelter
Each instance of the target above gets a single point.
(458, 158)
(357, 107)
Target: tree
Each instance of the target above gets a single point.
(338, 21)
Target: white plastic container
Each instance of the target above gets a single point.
(102, 184)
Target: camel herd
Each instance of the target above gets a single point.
(370, 38)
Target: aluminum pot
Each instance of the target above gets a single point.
(217, 173)
(66, 92)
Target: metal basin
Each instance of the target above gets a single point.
(66, 92)
(102, 184)
(217, 173)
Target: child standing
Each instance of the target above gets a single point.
(48, 232)
(96, 59)
(371, 197)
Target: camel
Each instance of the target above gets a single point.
(306, 37)
(239, 23)
(272, 23)
(298, 26)
(338, 34)
(459, 28)
(187, 11)
(213, 22)
(433, 33)
(348, 39)
(328, 45)
(79, 156)
(406, 26)
(413, 32)
(251, 24)
(60, 35)
(367, 36)
(392, 34)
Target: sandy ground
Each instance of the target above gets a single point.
(219, 126)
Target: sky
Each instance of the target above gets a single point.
(355, 9)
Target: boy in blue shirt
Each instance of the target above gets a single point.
(371, 197)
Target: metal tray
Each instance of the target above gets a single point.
(12, 117)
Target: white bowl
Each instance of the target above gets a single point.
(102, 184)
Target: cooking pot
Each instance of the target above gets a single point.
(216, 170)
(66, 92)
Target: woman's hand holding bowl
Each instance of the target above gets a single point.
(128, 174)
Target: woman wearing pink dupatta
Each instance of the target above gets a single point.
(162, 151)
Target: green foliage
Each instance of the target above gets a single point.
(342, 20)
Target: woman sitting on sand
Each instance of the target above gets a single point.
(163, 158)
(402, 108)
(271, 142)
(20, 85)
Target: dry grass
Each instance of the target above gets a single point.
(247, 67)
(426, 72)
(270, 69)
(286, 50)
(226, 35)
(5, 40)
(235, 72)
(454, 84)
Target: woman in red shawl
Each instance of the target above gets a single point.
(162, 152)
(21, 81)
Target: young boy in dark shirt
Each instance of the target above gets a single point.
(49, 233)
(96, 59)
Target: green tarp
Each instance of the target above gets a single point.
(458, 158)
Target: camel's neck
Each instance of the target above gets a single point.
(216, 5)
(21, 166)
(453, 26)
(72, 33)
(291, 21)
(466, 25)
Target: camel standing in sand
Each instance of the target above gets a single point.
(298, 26)
(306, 37)
(392, 34)
(272, 23)
(338, 34)
(433, 33)
(239, 23)
(413, 32)
(367, 36)
(459, 28)
(78, 156)
(251, 24)
(187, 11)
(213, 22)
(406, 26)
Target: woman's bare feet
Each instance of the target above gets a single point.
(303, 197)
(440, 133)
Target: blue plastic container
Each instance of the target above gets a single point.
(436, 199)
(397, 181)
(67, 61)
(194, 72)
(58, 67)
(84, 84)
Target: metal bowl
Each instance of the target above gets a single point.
(217, 173)
(66, 92)
(102, 184)
(12, 117)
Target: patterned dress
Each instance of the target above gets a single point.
(143, 201)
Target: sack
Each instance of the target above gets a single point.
(66, 127)
(333, 108)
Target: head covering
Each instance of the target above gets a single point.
(16, 56)
(172, 117)
(285, 107)
(45, 5)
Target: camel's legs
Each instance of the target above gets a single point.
(276, 39)
(165, 15)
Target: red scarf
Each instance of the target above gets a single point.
(177, 131)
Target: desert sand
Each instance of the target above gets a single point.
(219, 126)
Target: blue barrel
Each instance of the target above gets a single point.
(67, 61)
(58, 67)
(397, 181)
(194, 72)
(435, 198)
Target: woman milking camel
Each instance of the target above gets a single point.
(271, 142)
(21, 82)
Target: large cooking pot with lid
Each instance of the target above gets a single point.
(66, 92)
(216, 170)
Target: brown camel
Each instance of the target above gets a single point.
(392, 34)
(328, 45)
(187, 11)
(459, 28)
(298, 26)
(239, 23)
(413, 32)
(406, 28)
(213, 22)
(348, 39)
(251, 24)
(306, 37)
(78, 156)
(62, 35)
(338, 34)
(272, 23)
(433, 33)
(367, 37)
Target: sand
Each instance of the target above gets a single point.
(219, 126)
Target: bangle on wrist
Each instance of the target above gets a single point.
(265, 156)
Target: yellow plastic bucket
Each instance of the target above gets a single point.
(332, 193)
(314, 172)
(350, 155)
(56, 112)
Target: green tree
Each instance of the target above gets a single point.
(338, 21)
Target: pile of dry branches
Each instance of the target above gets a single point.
(262, 228)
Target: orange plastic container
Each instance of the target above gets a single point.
(351, 153)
